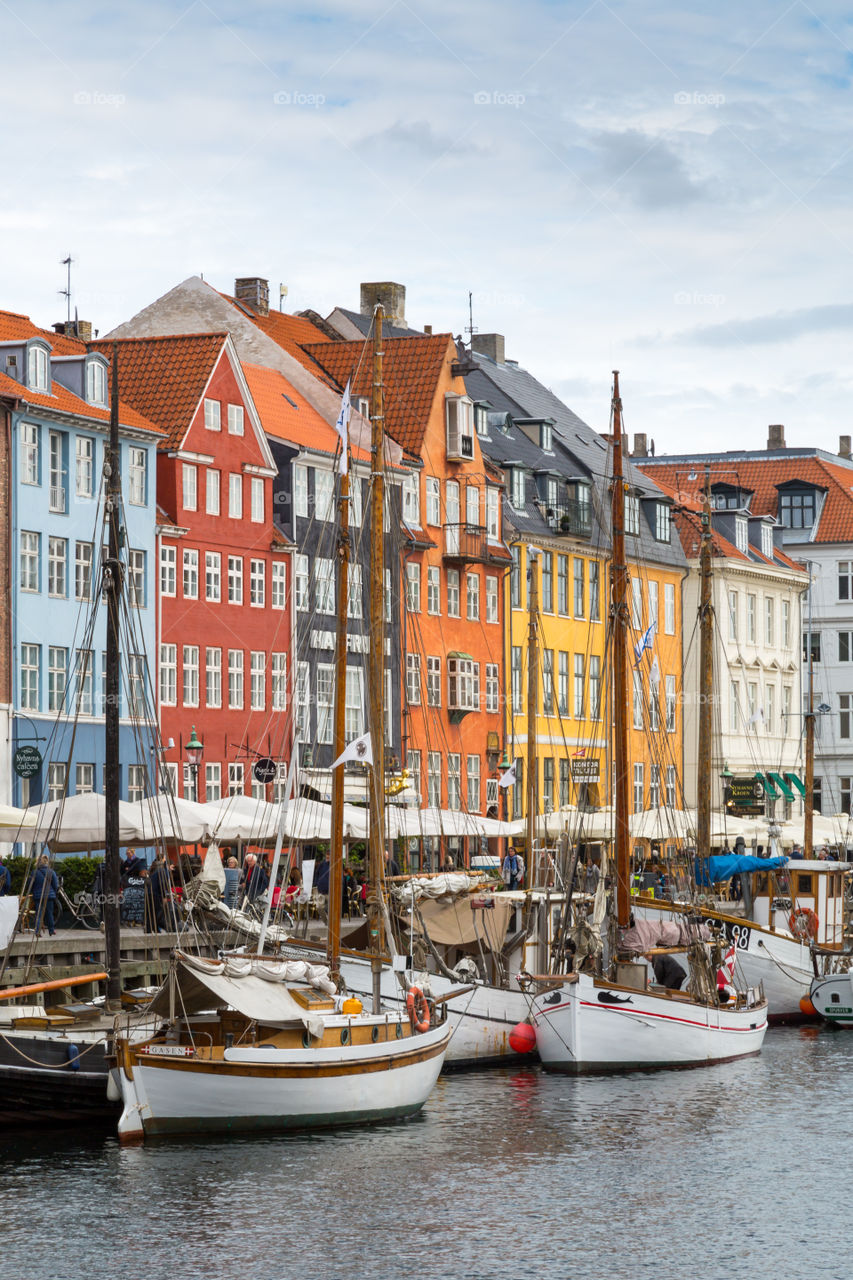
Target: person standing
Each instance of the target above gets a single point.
(5, 879)
(232, 882)
(513, 869)
(44, 888)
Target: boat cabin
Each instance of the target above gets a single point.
(804, 886)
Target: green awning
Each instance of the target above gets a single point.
(795, 782)
(766, 780)
(782, 785)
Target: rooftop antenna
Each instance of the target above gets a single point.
(66, 292)
(471, 328)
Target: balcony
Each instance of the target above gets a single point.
(466, 542)
(570, 517)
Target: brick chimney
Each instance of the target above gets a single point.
(81, 329)
(640, 445)
(776, 436)
(253, 292)
(490, 344)
(393, 299)
(844, 446)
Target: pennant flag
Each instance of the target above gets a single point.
(360, 750)
(646, 642)
(578, 754)
(508, 779)
(342, 426)
(654, 673)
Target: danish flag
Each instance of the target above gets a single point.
(725, 973)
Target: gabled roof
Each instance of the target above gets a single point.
(287, 415)
(411, 371)
(764, 475)
(365, 324)
(61, 400)
(166, 377)
(16, 327)
(291, 333)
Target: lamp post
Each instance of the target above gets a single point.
(194, 750)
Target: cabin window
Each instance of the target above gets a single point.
(761, 883)
(804, 885)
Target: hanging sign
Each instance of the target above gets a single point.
(27, 762)
(264, 769)
(745, 796)
(586, 770)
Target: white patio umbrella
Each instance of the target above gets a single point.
(170, 819)
(663, 824)
(78, 823)
(415, 823)
(17, 824)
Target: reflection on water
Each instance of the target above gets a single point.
(724, 1172)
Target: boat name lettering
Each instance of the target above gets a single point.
(168, 1050)
(736, 933)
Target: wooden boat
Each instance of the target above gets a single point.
(620, 1019)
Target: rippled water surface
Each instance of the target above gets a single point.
(727, 1172)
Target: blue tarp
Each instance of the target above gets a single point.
(726, 865)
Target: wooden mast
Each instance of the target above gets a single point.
(808, 807)
(706, 680)
(112, 595)
(336, 856)
(532, 706)
(619, 614)
(377, 660)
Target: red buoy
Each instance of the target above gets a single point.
(806, 1008)
(522, 1038)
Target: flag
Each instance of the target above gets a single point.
(360, 750)
(577, 754)
(654, 673)
(342, 427)
(756, 717)
(646, 641)
(726, 971)
(508, 779)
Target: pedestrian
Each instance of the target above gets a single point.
(512, 869)
(392, 866)
(321, 875)
(5, 879)
(159, 888)
(255, 879)
(45, 889)
(232, 882)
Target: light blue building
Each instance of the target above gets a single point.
(56, 394)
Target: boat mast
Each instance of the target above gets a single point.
(532, 704)
(377, 660)
(619, 615)
(336, 854)
(112, 588)
(808, 808)
(706, 679)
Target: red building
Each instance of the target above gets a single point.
(224, 599)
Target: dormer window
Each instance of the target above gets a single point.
(37, 366)
(481, 419)
(797, 509)
(517, 490)
(546, 437)
(632, 514)
(767, 541)
(741, 534)
(96, 382)
(460, 428)
(551, 491)
(663, 528)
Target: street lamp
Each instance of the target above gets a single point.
(194, 750)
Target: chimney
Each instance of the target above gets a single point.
(844, 446)
(640, 447)
(253, 292)
(81, 329)
(428, 330)
(491, 345)
(393, 299)
(776, 436)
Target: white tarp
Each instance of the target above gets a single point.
(9, 907)
(255, 989)
(448, 885)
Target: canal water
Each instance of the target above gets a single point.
(733, 1171)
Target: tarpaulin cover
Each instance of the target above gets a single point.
(726, 865)
(454, 923)
(645, 934)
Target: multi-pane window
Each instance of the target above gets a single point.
(213, 782)
(670, 700)
(30, 664)
(515, 577)
(433, 590)
(491, 598)
(639, 788)
(56, 450)
(325, 701)
(733, 615)
(413, 588)
(278, 678)
(136, 685)
(638, 700)
(563, 683)
(411, 501)
(547, 582)
(462, 682)
(750, 619)
(30, 557)
(213, 415)
(30, 453)
(136, 578)
(300, 490)
(786, 624)
(472, 596)
(579, 566)
(654, 784)
(354, 704)
(257, 583)
(654, 707)
(413, 679)
(168, 675)
(517, 488)
(671, 786)
(770, 708)
(752, 704)
(84, 467)
(797, 510)
(434, 779)
(515, 669)
(580, 686)
(189, 474)
(493, 514)
(324, 495)
(57, 774)
(565, 783)
(96, 382)
(168, 571)
(492, 687)
(190, 675)
(595, 687)
(547, 682)
(83, 553)
(355, 510)
(433, 500)
(235, 419)
(734, 706)
(256, 500)
(301, 583)
(595, 590)
(454, 781)
(563, 585)
(472, 505)
(213, 677)
(213, 576)
(632, 514)
(279, 584)
(433, 682)
(137, 476)
(84, 779)
(57, 567)
(845, 706)
(190, 573)
(473, 783)
(453, 593)
(258, 679)
(235, 679)
(518, 789)
(637, 603)
(669, 608)
(324, 585)
(236, 778)
(212, 491)
(235, 579)
(845, 579)
(355, 592)
(769, 620)
(235, 497)
(652, 602)
(662, 522)
(413, 764)
(57, 677)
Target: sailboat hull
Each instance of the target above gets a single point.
(267, 1089)
(592, 1026)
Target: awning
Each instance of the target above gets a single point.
(766, 779)
(782, 785)
(795, 782)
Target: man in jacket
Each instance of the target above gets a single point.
(45, 889)
(512, 869)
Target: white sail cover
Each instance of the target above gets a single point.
(256, 990)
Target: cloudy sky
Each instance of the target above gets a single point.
(659, 188)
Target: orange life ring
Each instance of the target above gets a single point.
(803, 922)
(417, 1009)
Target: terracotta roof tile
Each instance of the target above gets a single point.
(287, 415)
(14, 326)
(64, 401)
(165, 377)
(411, 372)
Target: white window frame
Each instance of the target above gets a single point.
(189, 486)
(236, 420)
(256, 500)
(235, 496)
(213, 491)
(212, 415)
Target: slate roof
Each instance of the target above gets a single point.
(411, 370)
(166, 377)
(287, 415)
(364, 323)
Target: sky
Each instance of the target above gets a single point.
(663, 189)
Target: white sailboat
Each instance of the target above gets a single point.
(625, 1020)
